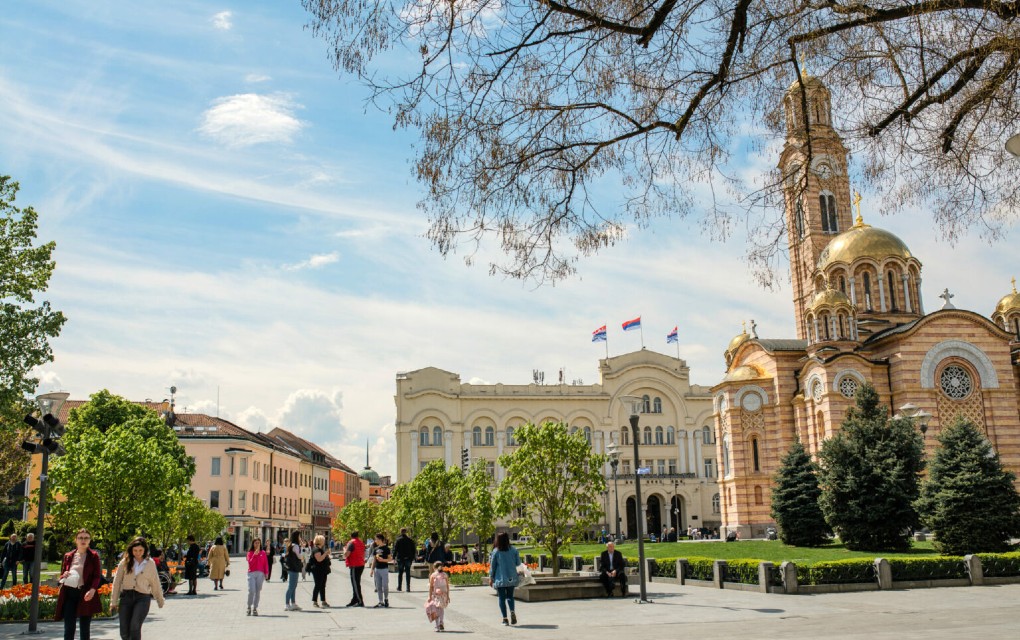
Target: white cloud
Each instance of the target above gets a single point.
(314, 415)
(247, 119)
(49, 381)
(253, 419)
(317, 261)
(222, 20)
(257, 77)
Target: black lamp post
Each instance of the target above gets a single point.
(614, 462)
(49, 431)
(676, 506)
(635, 404)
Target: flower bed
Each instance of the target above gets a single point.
(16, 602)
(472, 574)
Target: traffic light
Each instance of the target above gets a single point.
(49, 429)
(464, 460)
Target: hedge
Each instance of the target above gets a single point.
(742, 570)
(1000, 565)
(665, 567)
(941, 568)
(855, 570)
(700, 568)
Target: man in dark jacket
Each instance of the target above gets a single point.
(27, 557)
(612, 569)
(9, 558)
(404, 551)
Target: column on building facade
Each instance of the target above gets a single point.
(681, 453)
(500, 442)
(698, 458)
(853, 290)
(415, 464)
(817, 337)
(881, 292)
(906, 294)
(448, 445)
(920, 300)
(691, 466)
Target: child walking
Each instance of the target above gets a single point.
(381, 559)
(439, 593)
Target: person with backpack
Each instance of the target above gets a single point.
(292, 560)
(354, 558)
(319, 564)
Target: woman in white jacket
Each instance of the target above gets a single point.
(134, 587)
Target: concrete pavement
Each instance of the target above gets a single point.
(988, 613)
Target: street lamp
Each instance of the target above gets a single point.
(49, 430)
(916, 414)
(614, 462)
(635, 404)
(676, 504)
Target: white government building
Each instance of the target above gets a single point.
(439, 417)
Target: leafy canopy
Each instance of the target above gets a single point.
(968, 500)
(870, 473)
(553, 486)
(530, 113)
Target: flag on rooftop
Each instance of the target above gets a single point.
(599, 335)
(671, 336)
(632, 324)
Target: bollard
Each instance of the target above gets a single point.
(884, 573)
(974, 569)
(765, 576)
(681, 570)
(789, 573)
(719, 573)
(578, 563)
(543, 562)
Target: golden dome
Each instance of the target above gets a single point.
(862, 241)
(1009, 302)
(738, 340)
(831, 298)
(744, 372)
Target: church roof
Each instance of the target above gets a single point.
(1009, 302)
(862, 241)
(783, 344)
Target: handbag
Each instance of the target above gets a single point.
(431, 611)
(525, 576)
(226, 572)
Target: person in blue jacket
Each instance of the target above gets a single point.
(503, 574)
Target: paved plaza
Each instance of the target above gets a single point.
(962, 613)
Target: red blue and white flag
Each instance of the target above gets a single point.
(632, 324)
(671, 336)
(599, 335)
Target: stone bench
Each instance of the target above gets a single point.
(420, 570)
(577, 587)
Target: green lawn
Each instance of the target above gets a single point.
(775, 552)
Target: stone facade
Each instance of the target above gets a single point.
(859, 318)
(438, 416)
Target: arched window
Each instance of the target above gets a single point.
(476, 437)
(759, 495)
(867, 291)
(659, 436)
(727, 471)
(437, 436)
(510, 437)
(646, 404)
(716, 504)
(819, 427)
(827, 211)
(587, 434)
(755, 456)
(892, 291)
(647, 436)
(670, 435)
(842, 284)
(657, 405)
(625, 436)
(706, 435)
(423, 437)
(490, 436)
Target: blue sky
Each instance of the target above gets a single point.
(231, 218)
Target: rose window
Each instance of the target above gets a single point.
(848, 386)
(956, 382)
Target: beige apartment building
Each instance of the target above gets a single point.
(438, 417)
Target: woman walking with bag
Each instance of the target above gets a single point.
(319, 563)
(134, 587)
(293, 563)
(503, 574)
(77, 601)
(219, 560)
(258, 573)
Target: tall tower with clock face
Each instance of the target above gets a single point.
(815, 186)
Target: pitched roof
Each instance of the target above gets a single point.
(783, 344)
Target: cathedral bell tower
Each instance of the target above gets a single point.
(816, 188)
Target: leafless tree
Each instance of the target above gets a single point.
(536, 115)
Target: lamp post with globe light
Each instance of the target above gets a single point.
(634, 404)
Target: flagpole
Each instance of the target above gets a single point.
(607, 341)
(678, 344)
(641, 328)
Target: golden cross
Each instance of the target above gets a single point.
(803, 64)
(857, 203)
(1013, 281)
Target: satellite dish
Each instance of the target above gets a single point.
(1013, 145)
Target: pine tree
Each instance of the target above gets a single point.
(795, 497)
(870, 473)
(968, 500)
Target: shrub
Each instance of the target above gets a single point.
(699, 568)
(942, 568)
(742, 570)
(665, 567)
(1000, 565)
(861, 570)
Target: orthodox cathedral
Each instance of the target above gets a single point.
(860, 319)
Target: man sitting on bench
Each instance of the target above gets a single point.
(612, 570)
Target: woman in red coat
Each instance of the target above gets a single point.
(79, 581)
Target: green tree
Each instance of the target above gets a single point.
(527, 112)
(185, 514)
(553, 486)
(870, 473)
(26, 327)
(795, 495)
(361, 516)
(477, 505)
(432, 499)
(968, 500)
(116, 482)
